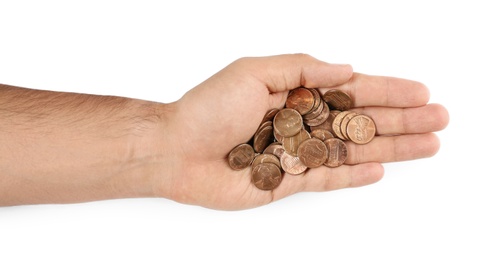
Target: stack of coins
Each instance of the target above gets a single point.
(308, 132)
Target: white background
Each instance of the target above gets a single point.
(432, 208)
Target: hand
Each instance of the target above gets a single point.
(226, 110)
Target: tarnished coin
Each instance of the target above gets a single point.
(337, 152)
(266, 176)
(338, 99)
(288, 122)
(291, 143)
(241, 156)
(301, 99)
(313, 152)
(321, 134)
(276, 149)
(263, 138)
(265, 158)
(361, 129)
(292, 164)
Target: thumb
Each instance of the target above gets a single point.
(285, 72)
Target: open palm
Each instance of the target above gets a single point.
(226, 110)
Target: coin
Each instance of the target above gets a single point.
(309, 132)
(270, 115)
(336, 124)
(265, 158)
(337, 152)
(321, 118)
(317, 98)
(288, 122)
(313, 152)
(338, 99)
(300, 99)
(291, 143)
(361, 129)
(275, 149)
(315, 112)
(321, 134)
(292, 164)
(327, 125)
(266, 176)
(344, 123)
(241, 156)
(263, 138)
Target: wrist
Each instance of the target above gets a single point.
(151, 155)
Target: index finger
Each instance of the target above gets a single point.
(367, 90)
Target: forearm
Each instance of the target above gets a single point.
(66, 147)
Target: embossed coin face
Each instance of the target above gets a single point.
(338, 99)
(313, 152)
(288, 122)
(337, 152)
(361, 129)
(292, 164)
(241, 156)
(266, 176)
(300, 99)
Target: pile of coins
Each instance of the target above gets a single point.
(307, 133)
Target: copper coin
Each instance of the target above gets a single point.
(313, 152)
(315, 112)
(327, 125)
(241, 156)
(266, 176)
(279, 138)
(321, 118)
(317, 99)
(292, 164)
(338, 99)
(265, 158)
(270, 115)
(336, 124)
(291, 143)
(361, 129)
(321, 134)
(337, 152)
(344, 123)
(264, 124)
(288, 122)
(300, 99)
(275, 149)
(263, 138)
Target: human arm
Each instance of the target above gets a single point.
(178, 151)
(61, 147)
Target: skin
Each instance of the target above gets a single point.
(67, 148)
